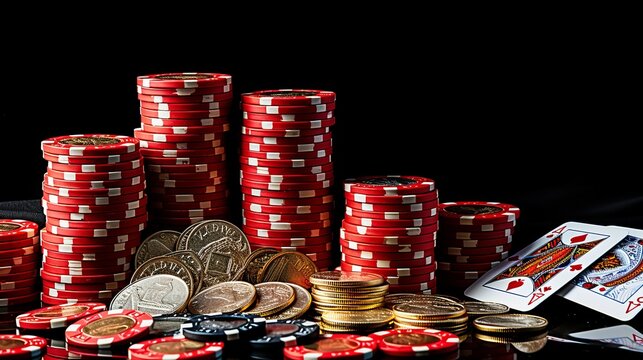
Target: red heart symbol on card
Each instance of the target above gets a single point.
(578, 238)
(575, 267)
(546, 288)
(515, 284)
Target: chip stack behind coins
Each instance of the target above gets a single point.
(287, 172)
(18, 263)
(184, 117)
(474, 236)
(390, 229)
(95, 203)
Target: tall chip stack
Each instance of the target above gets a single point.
(184, 117)
(390, 229)
(474, 236)
(18, 263)
(95, 204)
(287, 172)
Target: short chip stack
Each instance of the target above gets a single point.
(390, 229)
(94, 200)
(184, 117)
(18, 263)
(474, 236)
(286, 171)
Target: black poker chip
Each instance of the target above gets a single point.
(283, 333)
(168, 325)
(227, 328)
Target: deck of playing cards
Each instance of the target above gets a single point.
(600, 267)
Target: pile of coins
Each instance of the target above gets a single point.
(512, 328)
(443, 315)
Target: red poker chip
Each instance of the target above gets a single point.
(271, 218)
(172, 153)
(191, 169)
(386, 264)
(184, 221)
(118, 265)
(52, 301)
(290, 242)
(195, 190)
(18, 244)
(312, 249)
(373, 255)
(102, 176)
(143, 90)
(447, 266)
(428, 278)
(122, 215)
(478, 212)
(5, 270)
(285, 233)
(175, 179)
(97, 184)
(181, 145)
(89, 160)
(286, 225)
(288, 125)
(198, 106)
(136, 324)
(191, 198)
(461, 275)
(106, 295)
(50, 238)
(12, 285)
(96, 168)
(171, 138)
(178, 346)
(173, 99)
(457, 251)
(17, 229)
(267, 140)
(334, 346)
(177, 184)
(286, 209)
(386, 240)
(192, 213)
(90, 145)
(288, 97)
(91, 200)
(27, 250)
(22, 346)
(185, 130)
(95, 209)
(85, 270)
(114, 286)
(19, 300)
(54, 317)
(289, 117)
(288, 109)
(99, 258)
(10, 294)
(394, 272)
(479, 228)
(185, 80)
(294, 194)
(71, 192)
(474, 259)
(84, 279)
(274, 155)
(390, 231)
(357, 246)
(404, 223)
(320, 200)
(301, 164)
(94, 232)
(480, 235)
(390, 215)
(396, 208)
(288, 133)
(287, 178)
(392, 199)
(391, 185)
(475, 243)
(429, 287)
(222, 122)
(161, 205)
(150, 160)
(18, 260)
(298, 147)
(421, 342)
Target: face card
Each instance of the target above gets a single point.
(614, 284)
(623, 336)
(526, 279)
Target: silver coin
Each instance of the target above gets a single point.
(157, 244)
(155, 295)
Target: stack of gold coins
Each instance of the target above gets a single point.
(510, 328)
(436, 314)
(391, 300)
(357, 321)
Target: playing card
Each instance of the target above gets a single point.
(526, 279)
(614, 284)
(623, 336)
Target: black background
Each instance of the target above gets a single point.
(522, 114)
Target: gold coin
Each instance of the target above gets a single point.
(255, 262)
(332, 307)
(430, 323)
(157, 244)
(298, 308)
(479, 308)
(525, 343)
(429, 310)
(272, 297)
(227, 297)
(336, 301)
(348, 279)
(336, 329)
(190, 259)
(165, 265)
(394, 299)
(344, 295)
(374, 317)
(510, 323)
(288, 266)
(356, 290)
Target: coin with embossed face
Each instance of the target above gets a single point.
(272, 297)
(430, 310)
(192, 260)
(288, 266)
(255, 262)
(165, 265)
(222, 247)
(298, 308)
(155, 295)
(226, 297)
(157, 244)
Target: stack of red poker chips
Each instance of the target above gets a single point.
(95, 203)
(474, 236)
(19, 244)
(184, 117)
(287, 171)
(390, 229)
